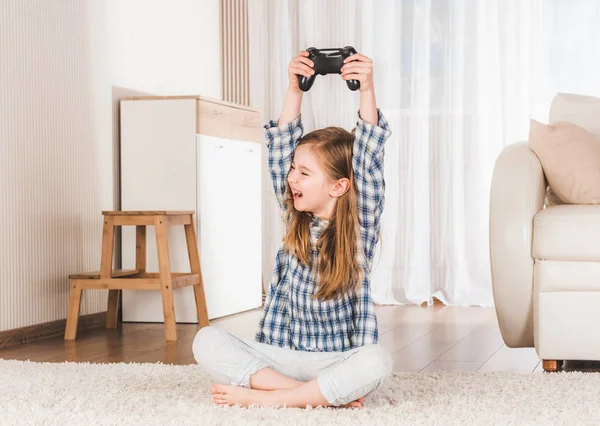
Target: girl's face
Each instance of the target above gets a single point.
(312, 189)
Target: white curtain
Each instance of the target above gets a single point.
(458, 80)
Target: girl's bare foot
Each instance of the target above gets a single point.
(232, 395)
(359, 403)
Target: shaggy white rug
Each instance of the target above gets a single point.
(145, 394)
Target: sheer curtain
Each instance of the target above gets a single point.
(458, 80)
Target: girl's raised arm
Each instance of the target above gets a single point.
(283, 135)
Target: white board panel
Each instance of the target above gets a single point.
(158, 172)
(229, 202)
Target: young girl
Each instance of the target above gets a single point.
(317, 339)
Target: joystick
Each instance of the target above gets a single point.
(327, 61)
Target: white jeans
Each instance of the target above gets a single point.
(342, 376)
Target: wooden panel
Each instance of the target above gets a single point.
(140, 248)
(185, 280)
(178, 97)
(164, 271)
(73, 312)
(116, 273)
(133, 220)
(19, 336)
(213, 119)
(141, 281)
(184, 219)
(148, 219)
(108, 245)
(119, 284)
(194, 256)
(246, 126)
(227, 121)
(174, 275)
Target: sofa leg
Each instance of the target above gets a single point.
(551, 366)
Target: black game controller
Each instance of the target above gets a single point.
(327, 61)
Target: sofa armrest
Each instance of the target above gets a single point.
(517, 194)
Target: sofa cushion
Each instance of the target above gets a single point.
(570, 157)
(556, 275)
(568, 233)
(577, 109)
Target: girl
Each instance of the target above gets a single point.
(317, 338)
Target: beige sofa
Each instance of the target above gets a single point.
(545, 255)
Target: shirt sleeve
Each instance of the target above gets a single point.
(365, 320)
(281, 143)
(367, 164)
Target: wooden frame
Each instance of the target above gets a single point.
(138, 279)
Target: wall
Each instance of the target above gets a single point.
(63, 66)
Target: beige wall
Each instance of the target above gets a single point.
(63, 65)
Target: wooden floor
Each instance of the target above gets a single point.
(421, 338)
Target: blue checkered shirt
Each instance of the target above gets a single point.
(291, 318)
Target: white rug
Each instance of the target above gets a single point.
(145, 394)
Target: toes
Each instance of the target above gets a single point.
(219, 399)
(219, 389)
(353, 404)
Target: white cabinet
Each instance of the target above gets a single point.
(230, 223)
(193, 153)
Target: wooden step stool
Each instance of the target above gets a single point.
(139, 279)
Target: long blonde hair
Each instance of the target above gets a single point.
(338, 267)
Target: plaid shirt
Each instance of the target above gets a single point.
(291, 318)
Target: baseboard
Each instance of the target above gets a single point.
(18, 336)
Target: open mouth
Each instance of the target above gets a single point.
(296, 194)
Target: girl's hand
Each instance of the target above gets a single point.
(300, 65)
(359, 67)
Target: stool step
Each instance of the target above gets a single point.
(116, 273)
(141, 281)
